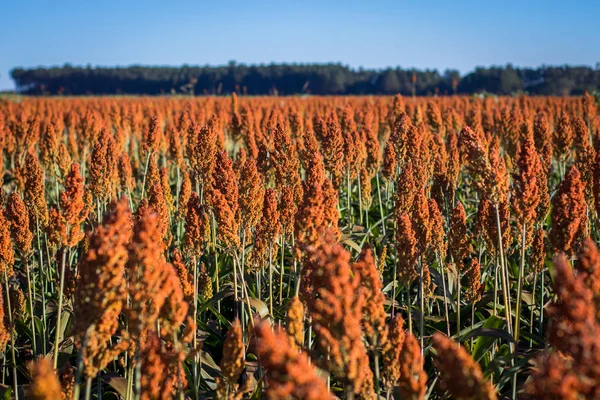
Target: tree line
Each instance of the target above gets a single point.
(289, 79)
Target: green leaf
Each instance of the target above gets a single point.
(487, 336)
(64, 322)
(351, 243)
(527, 298)
(210, 370)
(208, 360)
(256, 395)
(213, 300)
(6, 392)
(23, 329)
(452, 276)
(388, 287)
(259, 306)
(116, 382)
(220, 316)
(526, 335)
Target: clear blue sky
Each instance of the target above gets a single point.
(372, 34)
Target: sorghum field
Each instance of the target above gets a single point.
(308, 248)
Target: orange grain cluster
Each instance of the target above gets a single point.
(571, 369)
(288, 372)
(221, 183)
(372, 287)
(336, 312)
(19, 225)
(161, 369)
(45, 384)
(295, 322)
(569, 216)
(232, 363)
(101, 290)
(459, 373)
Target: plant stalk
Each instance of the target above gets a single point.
(12, 336)
(59, 310)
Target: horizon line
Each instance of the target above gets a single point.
(302, 63)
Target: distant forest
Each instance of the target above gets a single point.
(289, 79)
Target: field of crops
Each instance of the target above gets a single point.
(307, 248)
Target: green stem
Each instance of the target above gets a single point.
(360, 213)
(99, 386)
(349, 209)
(408, 309)
(84, 161)
(258, 282)
(520, 286)
(235, 290)
(447, 316)
(496, 268)
(195, 338)
(349, 393)
(281, 269)
(44, 286)
(380, 203)
(145, 172)
(457, 301)
(504, 275)
(59, 310)
(532, 309)
(12, 336)
(241, 261)
(88, 388)
(377, 378)
(179, 383)
(505, 288)
(394, 283)
(245, 292)
(541, 323)
(215, 255)
(271, 280)
(472, 324)
(129, 389)
(79, 366)
(31, 310)
(422, 306)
